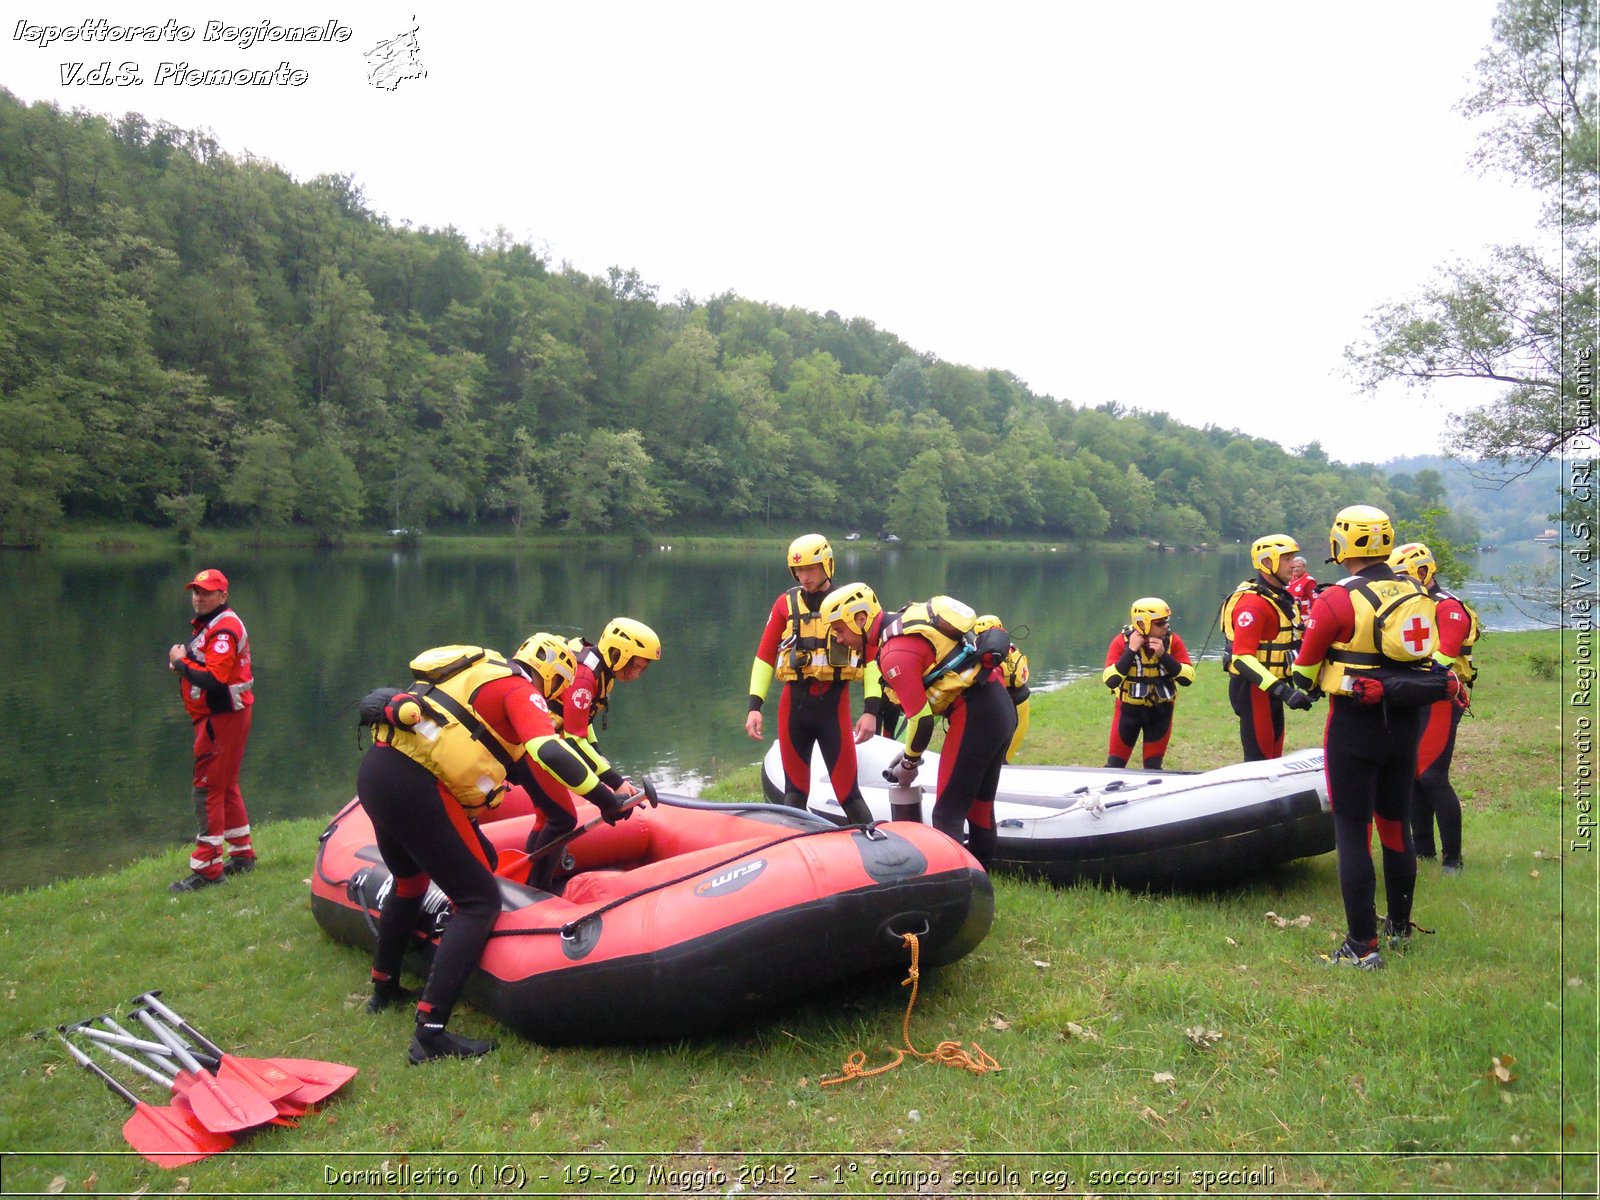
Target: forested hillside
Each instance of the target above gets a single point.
(190, 336)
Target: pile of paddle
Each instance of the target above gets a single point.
(216, 1096)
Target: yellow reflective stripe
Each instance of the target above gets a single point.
(760, 678)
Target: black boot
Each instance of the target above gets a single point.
(432, 1040)
(386, 993)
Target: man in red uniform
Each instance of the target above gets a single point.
(218, 691)
(814, 707)
(1434, 796)
(1368, 646)
(1261, 632)
(936, 666)
(1302, 587)
(1146, 663)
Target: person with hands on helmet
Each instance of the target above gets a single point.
(1261, 634)
(814, 706)
(625, 650)
(1369, 646)
(441, 755)
(1146, 664)
(1434, 797)
(937, 666)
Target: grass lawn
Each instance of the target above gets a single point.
(1149, 1043)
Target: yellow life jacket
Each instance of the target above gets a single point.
(946, 625)
(1394, 627)
(1146, 683)
(806, 651)
(1463, 665)
(461, 749)
(1014, 671)
(1277, 656)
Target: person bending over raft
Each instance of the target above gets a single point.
(441, 756)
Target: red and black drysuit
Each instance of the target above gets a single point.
(1261, 616)
(811, 713)
(981, 722)
(218, 691)
(1370, 761)
(1434, 796)
(425, 834)
(1146, 688)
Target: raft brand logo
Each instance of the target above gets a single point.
(732, 879)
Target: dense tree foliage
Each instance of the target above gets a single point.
(1526, 317)
(189, 336)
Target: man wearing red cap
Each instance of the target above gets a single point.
(217, 687)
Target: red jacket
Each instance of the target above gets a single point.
(214, 673)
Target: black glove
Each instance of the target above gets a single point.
(1289, 695)
(613, 808)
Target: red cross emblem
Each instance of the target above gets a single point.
(796, 557)
(1418, 634)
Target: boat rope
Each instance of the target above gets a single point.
(946, 1054)
(571, 928)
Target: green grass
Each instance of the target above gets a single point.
(1136, 1032)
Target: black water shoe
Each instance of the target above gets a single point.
(387, 994)
(238, 866)
(435, 1041)
(194, 881)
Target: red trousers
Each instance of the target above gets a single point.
(218, 804)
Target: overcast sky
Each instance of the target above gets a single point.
(1192, 211)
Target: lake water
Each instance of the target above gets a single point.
(99, 768)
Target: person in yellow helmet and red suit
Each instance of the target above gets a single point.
(1434, 797)
(1146, 664)
(931, 657)
(441, 755)
(1260, 636)
(1369, 646)
(814, 706)
(218, 689)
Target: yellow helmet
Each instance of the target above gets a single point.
(848, 602)
(810, 548)
(1267, 552)
(624, 638)
(986, 622)
(1360, 531)
(1146, 611)
(1416, 560)
(550, 658)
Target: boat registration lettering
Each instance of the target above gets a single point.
(732, 879)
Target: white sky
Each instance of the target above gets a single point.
(1192, 210)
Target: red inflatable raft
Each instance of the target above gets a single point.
(689, 917)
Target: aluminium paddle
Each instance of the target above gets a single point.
(318, 1079)
(269, 1080)
(167, 1136)
(158, 1056)
(226, 1107)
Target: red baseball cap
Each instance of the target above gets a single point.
(209, 580)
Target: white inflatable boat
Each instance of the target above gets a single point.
(1136, 829)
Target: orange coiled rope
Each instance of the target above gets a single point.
(948, 1054)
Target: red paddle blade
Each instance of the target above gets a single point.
(225, 1109)
(170, 1137)
(318, 1079)
(260, 1075)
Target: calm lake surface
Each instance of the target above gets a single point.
(99, 768)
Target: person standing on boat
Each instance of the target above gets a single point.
(1369, 647)
(934, 662)
(1146, 664)
(1434, 796)
(218, 690)
(814, 706)
(1260, 635)
(1301, 586)
(440, 758)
